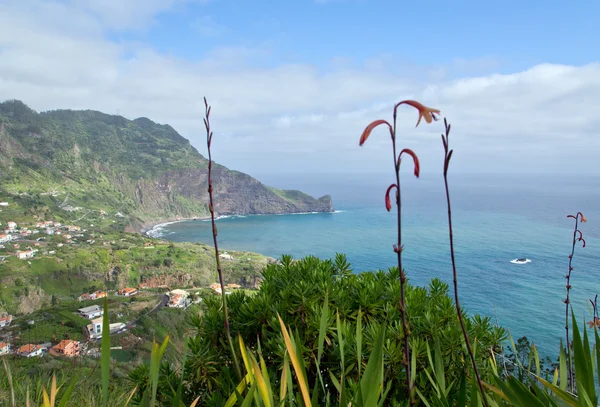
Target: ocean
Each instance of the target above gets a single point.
(496, 219)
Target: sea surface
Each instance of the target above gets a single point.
(496, 220)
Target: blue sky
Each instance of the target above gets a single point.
(516, 34)
(293, 83)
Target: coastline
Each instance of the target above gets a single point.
(148, 228)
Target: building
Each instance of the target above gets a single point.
(233, 286)
(216, 287)
(11, 225)
(66, 347)
(3, 203)
(226, 256)
(127, 292)
(95, 328)
(4, 238)
(93, 296)
(25, 254)
(91, 312)
(5, 321)
(4, 348)
(178, 299)
(30, 351)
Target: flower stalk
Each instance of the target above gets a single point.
(447, 157)
(577, 237)
(211, 208)
(428, 115)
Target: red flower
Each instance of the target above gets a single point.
(388, 202)
(595, 323)
(367, 132)
(408, 151)
(425, 112)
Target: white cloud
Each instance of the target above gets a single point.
(294, 117)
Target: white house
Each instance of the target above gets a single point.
(91, 312)
(178, 299)
(11, 225)
(30, 351)
(4, 348)
(3, 203)
(5, 321)
(5, 238)
(26, 254)
(95, 328)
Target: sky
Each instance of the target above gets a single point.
(293, 83)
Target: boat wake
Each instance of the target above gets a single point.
(520, 261)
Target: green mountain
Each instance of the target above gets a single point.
(88, 160)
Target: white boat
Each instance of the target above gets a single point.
(521, 260)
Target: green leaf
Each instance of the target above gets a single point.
(562, 368)
(249, 397)
(371, 383)
(155, 359)
(297, 362)
(561, 393)
(439, 366)
(177, 402)
(583, 363)
(359, 341)
(323, 327)
(105, 357)
(67, 395)
(597, 351)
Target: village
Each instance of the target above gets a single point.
(38, 239)
(176, 298)
(24, 240)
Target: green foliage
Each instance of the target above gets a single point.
(364, 303)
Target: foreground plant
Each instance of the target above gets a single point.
(577, 237)
(211, 208)
(447, 157)
(429, 115)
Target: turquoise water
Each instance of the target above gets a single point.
(495, 221)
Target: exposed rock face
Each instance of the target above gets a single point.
(35, 299)
(235, 193)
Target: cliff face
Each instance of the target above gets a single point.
(142, 169)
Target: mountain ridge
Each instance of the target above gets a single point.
(142, 169)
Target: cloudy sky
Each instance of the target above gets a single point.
(293, 83)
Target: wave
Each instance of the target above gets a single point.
(157, 230)
(224, 217)
(520, 261)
